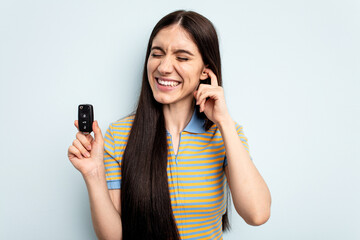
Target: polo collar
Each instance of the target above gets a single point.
(196, 124)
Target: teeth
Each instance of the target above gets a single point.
(168, 83)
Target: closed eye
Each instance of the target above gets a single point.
(155, 55)
(182, 58)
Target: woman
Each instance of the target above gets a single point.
(164, 171)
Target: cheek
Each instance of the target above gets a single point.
(148, 67)
(190, 73)
(151, 65)
(186, 71)
(149, 70)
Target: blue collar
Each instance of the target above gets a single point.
(196, 124)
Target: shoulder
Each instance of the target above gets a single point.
(214, 128)
(121, 127)
(125, 121)
(239, 127)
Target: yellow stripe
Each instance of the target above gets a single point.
(202, 156)
(208, 150)
(113, 178)
(185, 214)
(122, 126)
(119, 150)
(198, 184)
(201, 194)
(173, 164)
(112, 174)
(183, 209)
(194, 142)
(197, 189)
(198, 172)
(209, 134)
(196, 147)
(121, 142)
(116, 125)
(111, 160)
(198, 167)
(196, 178)
(196, 137)
(113, 169)
(201, 201)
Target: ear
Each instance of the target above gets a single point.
(204, 75)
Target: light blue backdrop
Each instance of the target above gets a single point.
(291, 73)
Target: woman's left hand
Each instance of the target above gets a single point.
(214, 107)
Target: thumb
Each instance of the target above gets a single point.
(97, 132)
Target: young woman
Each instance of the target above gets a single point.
(163, 172)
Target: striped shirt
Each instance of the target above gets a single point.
(196, 176)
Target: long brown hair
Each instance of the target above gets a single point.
(145, 200)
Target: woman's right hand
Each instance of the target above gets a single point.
(87, 153)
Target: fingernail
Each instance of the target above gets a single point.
(89, 147)
(87, 154)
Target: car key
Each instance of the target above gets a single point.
(85, 118)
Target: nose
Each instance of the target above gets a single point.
(165, 66)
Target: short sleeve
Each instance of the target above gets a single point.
(111, 161)
(243, 138)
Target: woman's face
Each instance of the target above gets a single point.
(175, 66)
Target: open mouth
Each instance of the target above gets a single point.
(167, 83)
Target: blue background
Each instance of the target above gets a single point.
(291, 72)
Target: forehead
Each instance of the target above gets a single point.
(174, 37)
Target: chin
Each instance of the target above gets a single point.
(163, 99)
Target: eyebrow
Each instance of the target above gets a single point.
(176, 51)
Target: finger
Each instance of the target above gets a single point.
(212, 76)
(201, 91)
(200, 97)
(84, 140)
(81, 148)
(208, 93)
(89, 138)
(198, 92)
(74, 151)
(76, 123)
(97, 132)
(202, 105)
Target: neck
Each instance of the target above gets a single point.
(177, 116)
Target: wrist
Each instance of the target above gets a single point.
(225, 122)
(94, 174)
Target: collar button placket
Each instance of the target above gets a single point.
(179, 164)
(174, 172)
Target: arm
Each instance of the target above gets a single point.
(105, 207)
(250, 194)
(249, 191)
(87, 156)
(115, 195)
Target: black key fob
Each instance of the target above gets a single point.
(85, 118)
